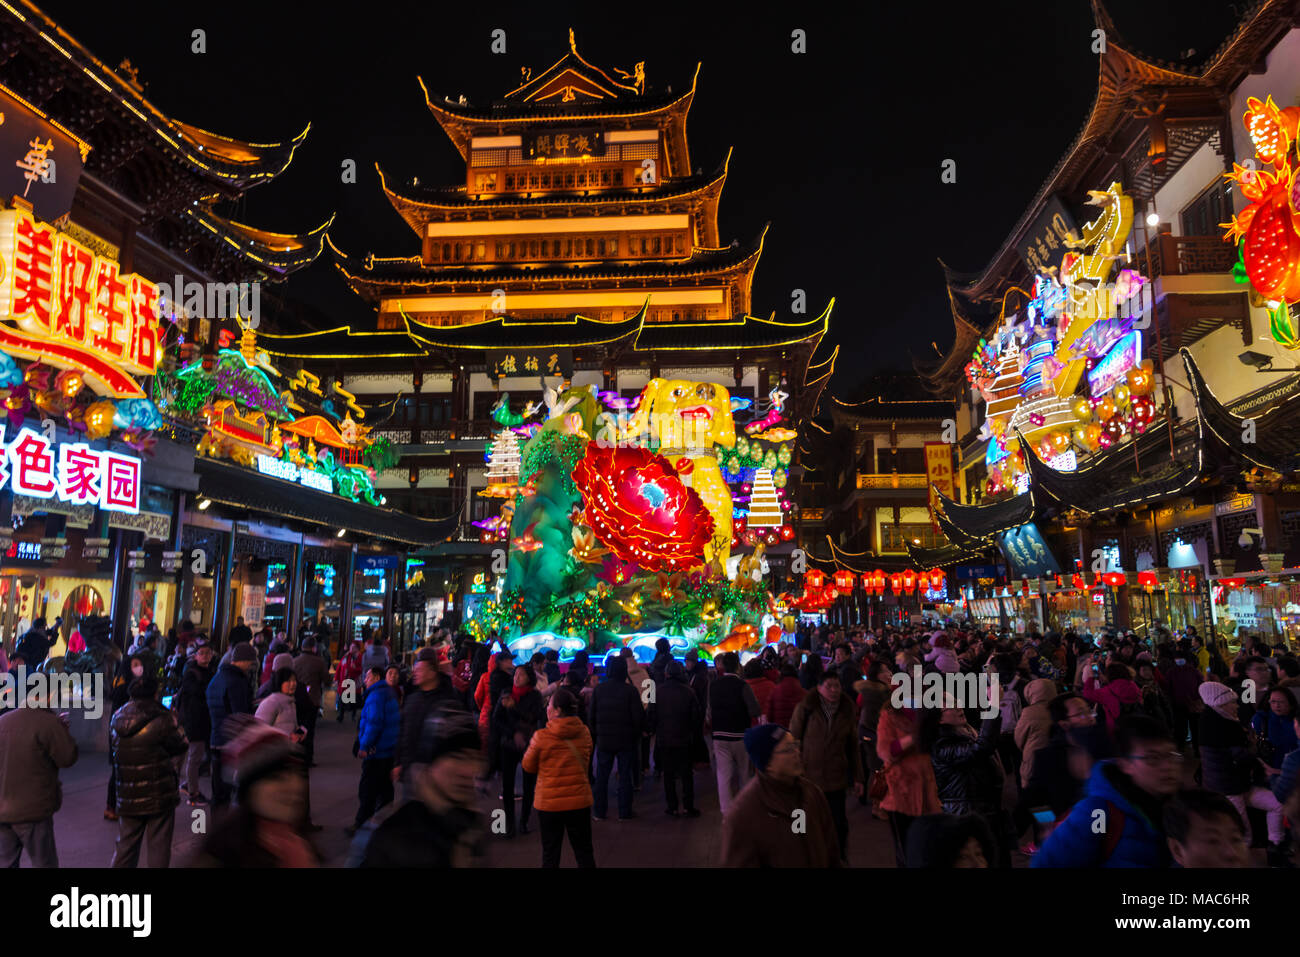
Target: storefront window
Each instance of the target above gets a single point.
(371, 587)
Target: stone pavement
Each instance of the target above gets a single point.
(652, 839)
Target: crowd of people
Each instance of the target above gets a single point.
(1185, 757)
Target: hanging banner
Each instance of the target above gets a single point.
(938, 471)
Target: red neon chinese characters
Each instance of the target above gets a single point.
(76, 293)
(111, 298)
(33, 464)
(80, 474)
(144, 324)
(33, 283)
(121, 483)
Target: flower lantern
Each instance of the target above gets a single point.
(844, 580)
(831, 594)
(813, 580)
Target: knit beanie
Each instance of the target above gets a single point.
(282, 660)
(243, 651)
(761, 741)
(1219, 697)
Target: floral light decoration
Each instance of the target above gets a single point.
(640, 509)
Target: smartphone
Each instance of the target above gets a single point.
(1043, 815)
(167, 700)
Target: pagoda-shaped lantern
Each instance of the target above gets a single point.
(764, 506)
(503, 466)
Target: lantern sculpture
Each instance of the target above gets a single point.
(831, 594)
(813, 579)
(844, 580)
(936, 579)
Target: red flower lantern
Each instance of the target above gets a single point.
(641, 510)
(1078, 581)
(844, 580)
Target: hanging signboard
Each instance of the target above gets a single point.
(530, 362)
(1028, 553)
(554, 144)
(1044, 244)
(40, 161)
(938, 470)
(71, 472)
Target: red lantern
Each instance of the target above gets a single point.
(896, 582)
(1114, 579)
(1078, 581)
(832, 593)
(813, 579)
(844, 580)
(867, 582)
(936, 579)
(909, 581)
(878, 581)
(1148, 580)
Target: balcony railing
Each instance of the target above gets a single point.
(1169, 255)
(889, 480)
(396, 436)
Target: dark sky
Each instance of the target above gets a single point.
(839, 148)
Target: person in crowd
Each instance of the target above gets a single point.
(638, 676)
(35, 744)
(945, 842)
(376, 746)
(196, 722)
(553, 673)
(491, 684)
(732, 710)
(240, 632)
(313, 675)
(784, 696)
(969, 775)
(873, 694)
(277, 647)
(519, 713)
(1275, 728)
(347, 681)
(942, 655)
(544, 687)
(433, 691)
(617, 718)
(146, 741)
(266, 829)
(760, 684)
(375, 654)
(1128, 794)
(1228, 766)
(438, 825)
(560, 755)
(826, 727)
(1203, 830)
(1154, 701)
(903, 745)
(279, 709)
(776, 793)
(393, 675)
(1118, 694)
(128, 670)
(1034, 726)
(1064, 764)
(34, 645)
(228, 693)
(810, 674)
(1184, 676)
(1251, 684)
(663, 655)
(675, 717)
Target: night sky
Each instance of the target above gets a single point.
(839, 148)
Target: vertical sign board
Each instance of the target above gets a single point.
(40, 161)
(938, 472)
(254, 606)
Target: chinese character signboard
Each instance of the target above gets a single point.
(39, 160)
(938, 471)
(69, 308)
(554, 144)
(1113, 368)
(1044, 244)
(531, 362)
(1027, 553)
(70, 472)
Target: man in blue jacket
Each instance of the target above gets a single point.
(377, 735)
(1119, 822)
(228, 693)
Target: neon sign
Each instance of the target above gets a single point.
(268, 465)
(1113, 368)
(72, 472)
(74, 309)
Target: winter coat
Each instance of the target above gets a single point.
(227, 693)
(908, 772)
(279, 711)
(831, 757)
(516, 724)
(756, 831)
(762, 688)
(146, 738)
(616, 715)
(417, 707)
(1112, 697)
(560, 756)
(675, 714)
(1034, 728)
(349, 669)
(413, 836)
(785, 697)
(375, 656)
(1280, 732)
(192, 705)
(966, 769)
(313, 674)
(1183, 681)
(871, 701)
(1139, 843)
(637, 676)
(34, 744)
(945, 660)
(1226, 763)
(381, 721)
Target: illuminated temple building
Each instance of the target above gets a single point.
(582, 245)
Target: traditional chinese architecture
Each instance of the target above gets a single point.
(581, 249)
(1114, 362)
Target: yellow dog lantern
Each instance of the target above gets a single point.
(687, 420)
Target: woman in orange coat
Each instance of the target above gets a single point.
(903, 745)
(560, 755)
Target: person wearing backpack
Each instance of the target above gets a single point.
(1119, 696)
(1128, 794)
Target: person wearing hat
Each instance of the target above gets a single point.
(438, 826)
(266, 828)
(432, 690)
(192, 707)
(780, 818)
(228, 694)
